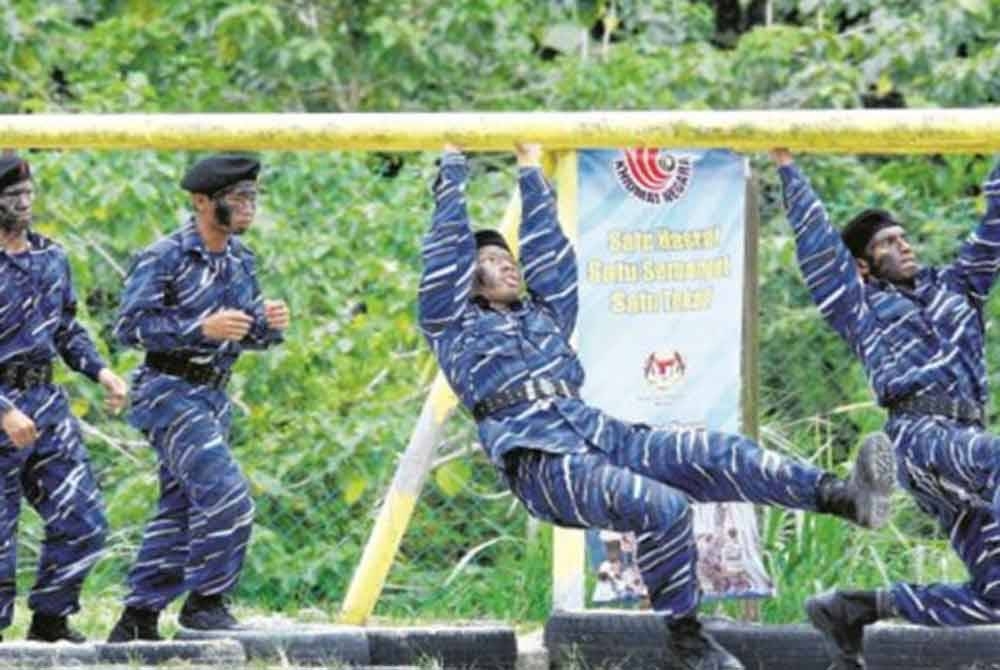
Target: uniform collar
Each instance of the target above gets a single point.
(924, 276)
(191, 241)
(483, 303)
(36, 242)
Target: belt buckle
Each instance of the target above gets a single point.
(546, 387)
(32, 377)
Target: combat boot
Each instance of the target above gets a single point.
(841, 616)
(864, 497)
(207, 613)
(49, 628)
(136, 624)
(692, 648)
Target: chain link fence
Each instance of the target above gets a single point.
(320, 421)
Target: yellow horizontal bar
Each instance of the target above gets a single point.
(906, 131)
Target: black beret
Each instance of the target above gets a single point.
(211, 175)
(13, 170)
(488, 237)
(862, 228)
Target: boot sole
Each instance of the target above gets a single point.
(819, 616)
(875, 476)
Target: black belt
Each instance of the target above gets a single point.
(959, 409)
(534, 389)
(24, 375)
(181, 366)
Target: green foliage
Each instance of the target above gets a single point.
(322, 419)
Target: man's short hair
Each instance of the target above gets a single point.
(860, 230)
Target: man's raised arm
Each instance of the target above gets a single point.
(546, 254)
(449, 251)
(829, 269)
(975, 269)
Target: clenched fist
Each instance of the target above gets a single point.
(781, 156)
(115, 388)
(227, 324)
(528, 155)
(277, 315)
(19, 428)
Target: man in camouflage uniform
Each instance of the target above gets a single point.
(509, 359)
(919, 332)
(42, 456)
(192, 302)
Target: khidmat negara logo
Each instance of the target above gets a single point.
(653, 175)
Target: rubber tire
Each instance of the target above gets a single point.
(17, 654)
(305, 644)
(637, 641)
(480, 647)
(196, 652)
(892, 645)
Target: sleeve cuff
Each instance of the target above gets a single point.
(92, 368)
(788, 173)
(532, 180)
(452, 158)
(5, 404)
(260, 331)
(190, 333)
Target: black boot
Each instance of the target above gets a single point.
(49, 628)
(841, 616)
(692, 648)
(136, 624)
(864, 498)
(207, 613)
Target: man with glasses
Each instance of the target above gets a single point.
(192, 302)
(42, 456)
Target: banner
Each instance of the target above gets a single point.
(661, 244)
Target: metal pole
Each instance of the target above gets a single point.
(884, 131)
(397, 510)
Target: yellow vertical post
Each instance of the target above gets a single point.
(414, 465)
(568, 544)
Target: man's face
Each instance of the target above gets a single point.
(241, 202)
(498, 278)
(15, 207)
(890, 256)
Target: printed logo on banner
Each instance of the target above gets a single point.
(664, 370)
(654, 176)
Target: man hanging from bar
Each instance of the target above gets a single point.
(42, 455)
(508, 357)
(919, 332)
(193, 303)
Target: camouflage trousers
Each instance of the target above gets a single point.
(951, 470)
(198, 539)
(646, 485)
(54, 476)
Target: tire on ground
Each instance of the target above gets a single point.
(482, 647)
(638, 641)
(297, 644)
(893, 645)
(195, 652)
